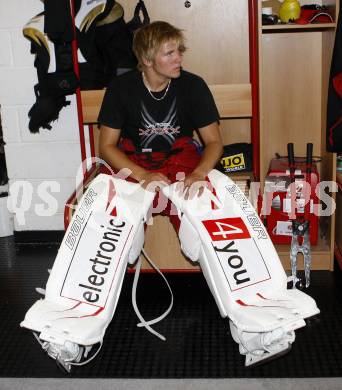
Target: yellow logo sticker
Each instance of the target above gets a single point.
(235, 162)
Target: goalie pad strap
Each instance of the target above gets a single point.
(143, 322)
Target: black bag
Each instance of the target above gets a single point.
(236, 158)
(136, 22)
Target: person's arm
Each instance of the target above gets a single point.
(213, 148)
(118, 160)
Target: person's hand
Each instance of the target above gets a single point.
(154, 181)
(192, 185)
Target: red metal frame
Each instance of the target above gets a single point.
(78, 90)
(254, 79)
(92, 143)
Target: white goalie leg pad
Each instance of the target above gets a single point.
(85, 282)
(223, 232)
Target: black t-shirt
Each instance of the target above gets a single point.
(154, 125)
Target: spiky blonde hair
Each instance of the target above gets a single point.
(148, 39)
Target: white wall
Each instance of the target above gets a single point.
(49, 156)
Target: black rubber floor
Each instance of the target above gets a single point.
(198, 342)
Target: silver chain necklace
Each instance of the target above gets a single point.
(150, 92)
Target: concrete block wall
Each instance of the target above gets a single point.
(41, 167)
